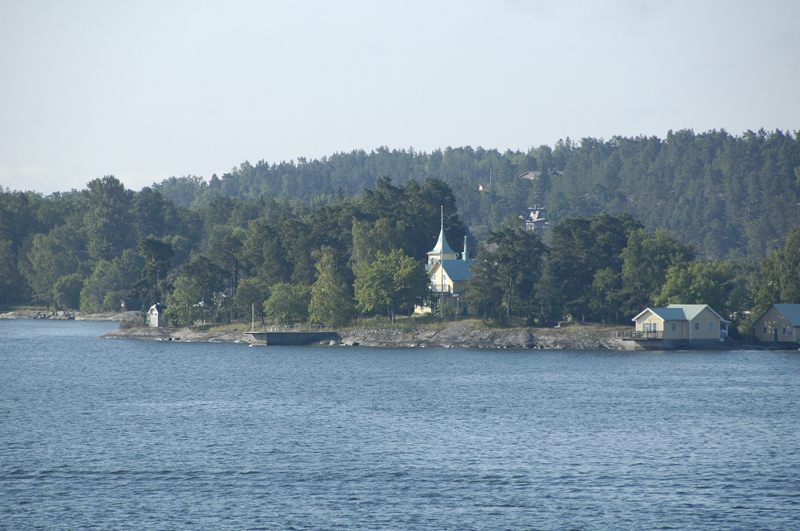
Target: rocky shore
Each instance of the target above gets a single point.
(184, 335)
(461, 335)
(69, 315)
(457, 335)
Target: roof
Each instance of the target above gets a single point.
(667, 314)
(790, 311)
(681, 312)
(441, 245)
(692, 310)
(458, 270)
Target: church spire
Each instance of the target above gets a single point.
(442, 250)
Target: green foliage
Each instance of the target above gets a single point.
(250, 295)
(484, 289)
(779, 281)
(10, 281)
(109, 282)
(369, 238)
(549, 308)
(394, 282)
(580, 249)
(516, 260)
(713, 190)
(106, 220)
(185, 304)
(698, 283)
(288, 304)
(606, 296)
(50, 258)
(263, 225)
(646, 260)
(785, 268)
(331, 301)
(149, 287)
(67, 292)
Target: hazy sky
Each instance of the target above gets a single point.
(147, 90)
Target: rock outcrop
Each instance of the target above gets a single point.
(69, 315)
(457, 335)
(461, 335)
(184, 335)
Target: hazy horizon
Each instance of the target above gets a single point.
(149, 91)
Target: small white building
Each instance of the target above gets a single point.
(155, 315)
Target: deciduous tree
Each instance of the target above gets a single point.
(393, 282)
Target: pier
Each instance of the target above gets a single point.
(291, 338)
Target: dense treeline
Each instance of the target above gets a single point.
(615, 245)
(724, 194)
(95, 248)
(357, 255)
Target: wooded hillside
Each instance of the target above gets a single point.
(722, 193)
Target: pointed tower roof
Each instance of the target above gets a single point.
(441, 245)
(441, 250)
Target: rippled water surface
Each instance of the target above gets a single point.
(113, 434)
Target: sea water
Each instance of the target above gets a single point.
(117, 434)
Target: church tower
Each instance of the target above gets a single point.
(441, 251)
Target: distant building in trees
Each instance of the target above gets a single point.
(533, 175)
(536, 218)
(530, 175)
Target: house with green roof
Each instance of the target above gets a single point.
(677, 325)
(447, 274)
(778, 324)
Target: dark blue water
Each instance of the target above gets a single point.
(113, 434)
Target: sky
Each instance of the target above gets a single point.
(148, 90)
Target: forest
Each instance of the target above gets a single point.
(726, 195)
(707, 218)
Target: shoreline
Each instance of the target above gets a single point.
(456, 335)
(73, 315)
(453, 335)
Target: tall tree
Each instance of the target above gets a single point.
(698, 283)
(107, 218)
(646, 260)
(185, 304)
(517, 256)
(50, 257)
(393, 282)
(67, 292)
(287, 304)
(10, 281)
(157, 254)
(484, 289)
(331, 301)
